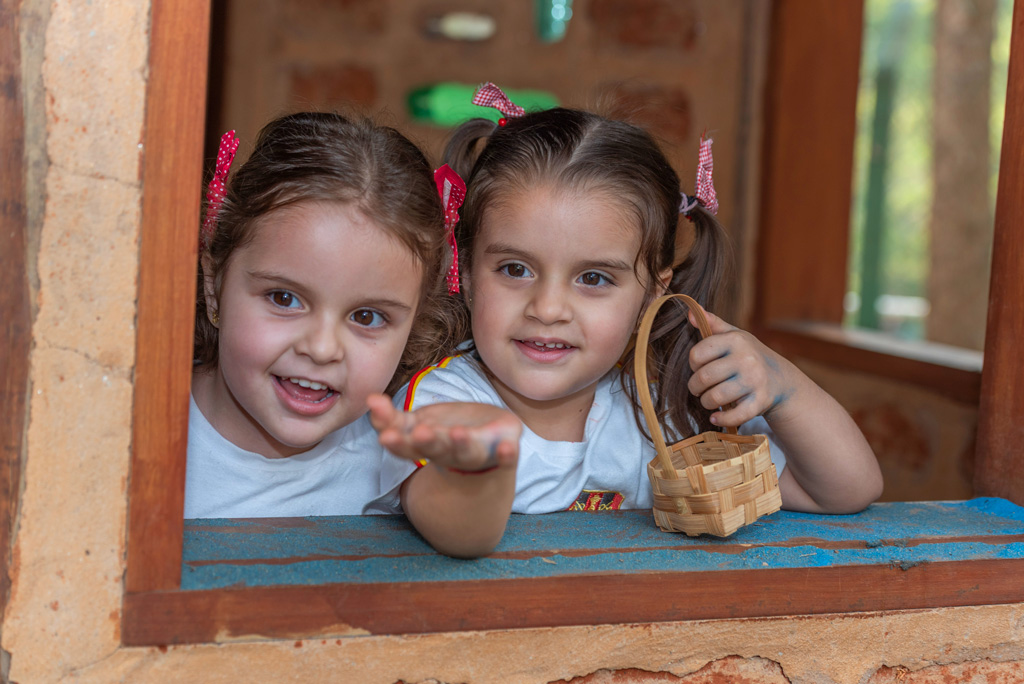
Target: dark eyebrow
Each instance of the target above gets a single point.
(277, 279)
(502, 248)
(386, 304)
(607, 264)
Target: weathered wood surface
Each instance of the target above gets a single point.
(999, 469)
(171, 189)
(231, 553)
(289, 578)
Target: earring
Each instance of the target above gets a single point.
(215, 318)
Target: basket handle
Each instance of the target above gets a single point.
(643, 382)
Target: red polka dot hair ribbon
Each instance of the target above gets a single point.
(705, 189)
(217, 188)
(452, 191)
(490, 95)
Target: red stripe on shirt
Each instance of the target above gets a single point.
(414, 383)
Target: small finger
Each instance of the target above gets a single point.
(381, 410)
(725, 393)
(734, 416)
(709, 350)
(709, 376)
(507, 452)
(716, 324)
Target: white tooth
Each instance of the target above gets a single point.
(308, 384)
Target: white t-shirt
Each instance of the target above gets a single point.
(606, 471)
(339, 476)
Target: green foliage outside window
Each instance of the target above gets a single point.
(909, 157)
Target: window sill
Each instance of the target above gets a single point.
(318, 577)
(950, 371)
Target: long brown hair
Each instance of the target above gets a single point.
(583, 151)
(315, 156)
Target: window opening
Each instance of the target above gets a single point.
(929, 127)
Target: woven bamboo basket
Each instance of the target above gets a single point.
(713, 483)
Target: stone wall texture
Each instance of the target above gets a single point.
(61, 622)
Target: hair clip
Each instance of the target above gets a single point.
(452, 190)
(217, 188)
(705, 188)
(705, 191)
(490, 95)
(687, 203)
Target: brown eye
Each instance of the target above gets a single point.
(515, 270)
(368, 318)
(593, 279)
(283, 299)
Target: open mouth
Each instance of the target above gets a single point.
(546, 346)
(306, 390)
(545, 351)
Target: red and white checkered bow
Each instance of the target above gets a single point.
(490, 95)
(217, 188)
(705, 189)
(452, 190)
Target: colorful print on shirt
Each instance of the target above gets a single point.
(590, 500)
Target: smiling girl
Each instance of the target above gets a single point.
(321, 275)
(567, 233)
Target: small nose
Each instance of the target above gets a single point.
(321, 340)
(549, 304)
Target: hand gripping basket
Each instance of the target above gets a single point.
(712, 483)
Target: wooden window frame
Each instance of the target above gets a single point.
(168, 250)
(807, 174)
(804, 157)
(807, 171)
(15, 307)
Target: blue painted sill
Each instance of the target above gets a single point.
(374, 549)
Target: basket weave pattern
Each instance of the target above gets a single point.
(713, 483)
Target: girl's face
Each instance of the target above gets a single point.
(554, 297)
(314, 315)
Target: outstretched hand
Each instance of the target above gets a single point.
(464, 436)
(735, 372)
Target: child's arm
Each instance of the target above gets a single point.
(461, 499)
(830, 467)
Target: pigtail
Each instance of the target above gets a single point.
(699, 275)
(705, 266)
(464, 146)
